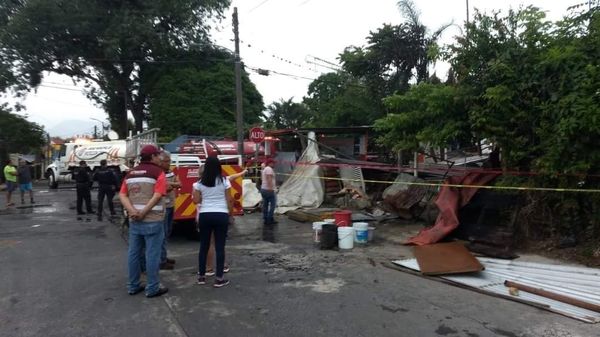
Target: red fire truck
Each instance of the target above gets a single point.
(188, 157)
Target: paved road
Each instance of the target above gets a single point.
(65, 276)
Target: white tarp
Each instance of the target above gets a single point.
(304, 188)
(251, 196)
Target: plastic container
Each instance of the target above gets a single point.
(329, 236)
(345, 237)
(318, 229)
(371, 234)
(361, 232)
(331, 221)
(343, 218)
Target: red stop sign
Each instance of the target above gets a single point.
(257, 135)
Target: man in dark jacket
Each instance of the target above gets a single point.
(107, 185)
(83, 181)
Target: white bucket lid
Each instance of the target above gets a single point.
(329, 220)
(361, 225)
(319, 224)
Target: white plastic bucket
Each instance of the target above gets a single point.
(317, 229)
(361, 232)
(329, 220)
(346, 237)
(371, 233)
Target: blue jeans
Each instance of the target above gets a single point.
(150, 234)
(209, 223)
(269, 204)
(168, 223)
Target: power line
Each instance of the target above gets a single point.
(257, 6)
(54, 87)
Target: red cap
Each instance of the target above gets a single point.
(149, 150)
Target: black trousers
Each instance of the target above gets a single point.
(83, 194)
(108, 192)
(209, 223)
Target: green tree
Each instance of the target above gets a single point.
(430, 114)
(105, 44)
(533, 87)
(569, 129)
(287, 114)
(395, 54)
(17, 134)
(339, 99)
(199, 98)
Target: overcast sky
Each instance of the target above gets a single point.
(283, 36)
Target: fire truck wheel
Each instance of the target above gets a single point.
(52, 180)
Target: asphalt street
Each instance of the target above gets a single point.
(64, 275)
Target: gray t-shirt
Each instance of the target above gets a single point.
(24, 174)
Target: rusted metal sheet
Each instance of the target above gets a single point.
(446, 258)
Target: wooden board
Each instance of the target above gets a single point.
(446, 258)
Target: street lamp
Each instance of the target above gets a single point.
(104, 127)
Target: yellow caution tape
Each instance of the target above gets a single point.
(513, 188)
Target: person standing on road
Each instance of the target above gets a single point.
(172, 185)
(107, 186)
(10, 174)
(141, 194)
(215, 214)
(24, 175)
(210, 258)
(83, 182)
(267, 190)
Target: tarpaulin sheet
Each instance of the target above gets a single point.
(449, 201)
(304, 188)
(251, 195)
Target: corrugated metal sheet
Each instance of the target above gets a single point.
(577, 282)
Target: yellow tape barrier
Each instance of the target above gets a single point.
(513, 188)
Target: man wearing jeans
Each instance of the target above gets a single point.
(141, 194)
(267, 191)
(172, 185)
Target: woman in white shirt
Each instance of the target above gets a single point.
(216, 209)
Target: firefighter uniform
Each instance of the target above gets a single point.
(107, 185)
(83, 182)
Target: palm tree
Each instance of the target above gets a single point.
(426, 43)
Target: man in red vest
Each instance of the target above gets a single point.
(141, 194)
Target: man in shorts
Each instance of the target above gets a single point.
(24, 175)
(10, 174)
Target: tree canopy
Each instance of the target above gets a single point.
(199, 98)
(108, 45)
(339, 99)
(17, 134)
(287, 114)
(527, 85)
(395, 56)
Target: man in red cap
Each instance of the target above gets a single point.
(141, 193)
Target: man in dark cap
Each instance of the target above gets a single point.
(83, 182)
(107, 185)
(141, 194)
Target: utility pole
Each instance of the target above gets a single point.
(238, 86)
(126, 124)
(467, 12)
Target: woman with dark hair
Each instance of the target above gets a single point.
(215, 213)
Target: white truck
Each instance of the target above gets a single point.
(119, 155)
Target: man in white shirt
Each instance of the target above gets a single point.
(267, 191)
